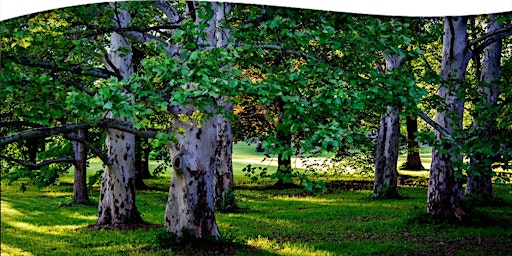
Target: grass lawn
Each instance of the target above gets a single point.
(270, 222)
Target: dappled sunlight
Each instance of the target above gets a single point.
(57, 230)
(271, 221)
(8, 210)
(76, 215)
(286, 248)
(56, 194)
(9, 250)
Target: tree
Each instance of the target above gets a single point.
(386, 174)
(445, 189)
(117, 196)
(80, 194)
(445, 184)
(142, 151)
(413, 159)
(479, 181)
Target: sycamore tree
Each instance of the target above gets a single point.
(445, 184)
(486, 111)
(36, 68)
(302, 83)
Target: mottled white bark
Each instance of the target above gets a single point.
(198, 153)
(445, 190)
(224, 175)
(190, 207)
(117, 196)
(491, 68)
(224, 165)
(386, 175)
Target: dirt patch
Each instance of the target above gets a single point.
(224, 248)
(479, 246)
(349, 185)
(128, 227)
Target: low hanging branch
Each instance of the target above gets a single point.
(488, 39)
(74, 69)
(41, 164)
(89, 146)
(435, 125)
(37, 133)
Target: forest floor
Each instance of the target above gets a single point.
(345, 220)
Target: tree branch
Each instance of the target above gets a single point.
(140, 37)
(506, 30)
(284, 49)
(75, 69)
(100, 31)
(433, 123)
(89, 146)
(491, 40)
(67, 128)
(170, 12)
(41, 164)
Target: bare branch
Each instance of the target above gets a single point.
(433, 123)
(101, 31)
(41, 164)
(140, 37)
(67, 128)
(170, 12)
(505, 30)
(491, 40)
(75, 69)
(88, 145)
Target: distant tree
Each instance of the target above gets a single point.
(386, 174)
(413, 159)
(479, 179)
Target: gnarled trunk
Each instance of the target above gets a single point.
(481, 184)
(190, 207)
(386, 175)
(413, 159)
(80, 172)
(117, 196)
(445, 189)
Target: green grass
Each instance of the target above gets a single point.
(276, 222)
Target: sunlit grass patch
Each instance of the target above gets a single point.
(286, 248)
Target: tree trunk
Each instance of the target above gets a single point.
(413, 160)
(444, 189)
(386, 175)
(80, 172)
(141, 162)
(224, 195)
(481, 184)
(117, 196)
(190, 207)
(284, 141)
(32, 151)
